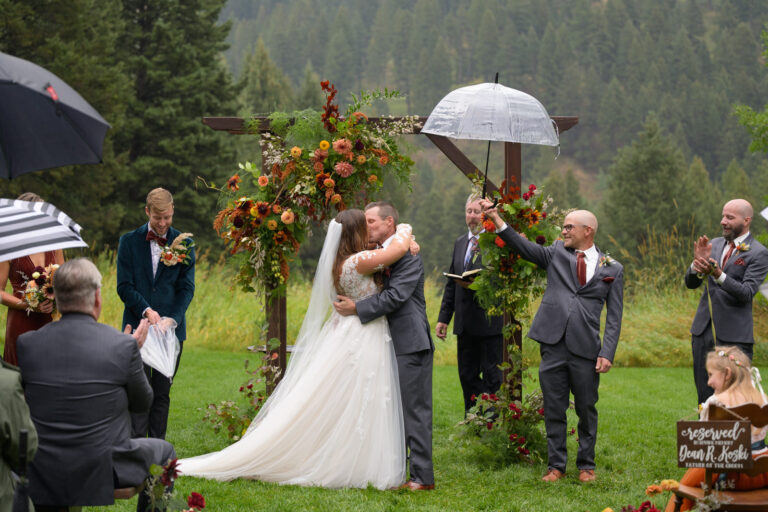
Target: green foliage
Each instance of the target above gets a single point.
(234, 418)
(644, 185)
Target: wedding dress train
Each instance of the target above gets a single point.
(335, 420)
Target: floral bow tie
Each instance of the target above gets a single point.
(161, 240)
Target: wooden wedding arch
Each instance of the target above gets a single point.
(276, 308)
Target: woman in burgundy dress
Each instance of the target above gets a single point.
(19, 320)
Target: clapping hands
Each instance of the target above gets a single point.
(702, 256)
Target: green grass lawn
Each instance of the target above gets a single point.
(636, 447)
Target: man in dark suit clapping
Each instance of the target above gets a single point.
(735, 265)
(479, 342)
(156, 291)
(580, 281)
(82, 379)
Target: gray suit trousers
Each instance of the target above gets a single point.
(415, 372)
(562, 372)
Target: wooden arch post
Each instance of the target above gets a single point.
(276, 308)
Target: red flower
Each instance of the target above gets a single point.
(279, 237)
(241, 388)
(524, 451)
(541, 411)
(489, 425)
(531, 187)
(250, 386)
(512, 437)
(526, 196)
(489, 226)
(573, 431)
(543, 215)
(170, 473)
(232, 183)
(499, 242)
(521, 440)
(484, 396)
(494, 397)
(195, 500)
(541, 240)
(473, 397)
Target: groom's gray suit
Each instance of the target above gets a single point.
(402, 300)
(731, 306)
(567, 327)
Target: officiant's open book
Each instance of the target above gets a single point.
(468, 276)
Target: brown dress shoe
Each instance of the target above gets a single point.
(553, 475)
(587, 475)
(412, 485)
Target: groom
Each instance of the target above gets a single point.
(402, 300)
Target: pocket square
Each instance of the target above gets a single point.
(608, 279)
(739, 261)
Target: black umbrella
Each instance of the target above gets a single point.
(44, 123)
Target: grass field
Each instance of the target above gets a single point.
(649, 389)
(636, 447)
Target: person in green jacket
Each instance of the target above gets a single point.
(14, 416)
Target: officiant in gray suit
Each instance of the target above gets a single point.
(402, 300)
(735, 265)
(580, 281)
(82, 379)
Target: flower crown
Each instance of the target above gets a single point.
(731, 357)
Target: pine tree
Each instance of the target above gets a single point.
(263, 87)
(171, 51)
(643, 184)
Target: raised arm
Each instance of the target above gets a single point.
(368, 262)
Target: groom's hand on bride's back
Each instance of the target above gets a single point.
(345, 306)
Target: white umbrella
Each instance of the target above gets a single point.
(28, 227)
(161, 349)
(492, 112)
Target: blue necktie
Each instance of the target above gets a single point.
(470, 252)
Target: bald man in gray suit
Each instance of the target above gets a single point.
(580, 281)
(734, 265)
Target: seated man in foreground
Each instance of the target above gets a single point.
(82, 379)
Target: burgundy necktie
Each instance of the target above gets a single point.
(581, 268)
(161, 240)
(731, 247)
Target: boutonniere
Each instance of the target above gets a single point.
(742, 247)
(608, 279)
(606, 260)
(177, 252)
(739, 262)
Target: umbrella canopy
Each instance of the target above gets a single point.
(44, 123)
(31, 227)
(492, 112)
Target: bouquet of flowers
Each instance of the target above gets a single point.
(178, 251)
(509, 282)
(39, 287)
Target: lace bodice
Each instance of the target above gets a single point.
(354, 285)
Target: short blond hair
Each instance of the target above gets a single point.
(159, 200)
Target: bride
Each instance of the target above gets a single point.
(335, 420)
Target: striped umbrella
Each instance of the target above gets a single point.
(31, 227)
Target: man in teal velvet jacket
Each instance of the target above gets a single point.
(156, 291)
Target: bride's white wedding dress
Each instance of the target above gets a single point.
(335, 420)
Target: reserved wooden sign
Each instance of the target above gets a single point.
(714, 444)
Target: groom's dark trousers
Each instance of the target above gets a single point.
(169, 292)
(567, 327)
(402, 300)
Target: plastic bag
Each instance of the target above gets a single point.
(161, 349)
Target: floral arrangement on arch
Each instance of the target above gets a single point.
(317, 163)
(509, 282)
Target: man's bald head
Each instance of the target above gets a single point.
(579, 230)
(737, 216)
